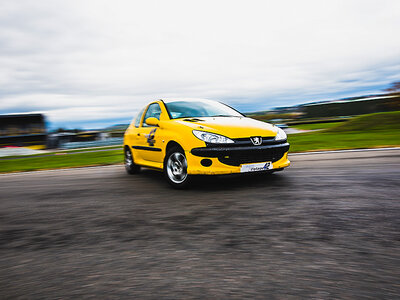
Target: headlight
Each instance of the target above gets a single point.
(281, 135)
(212, 137)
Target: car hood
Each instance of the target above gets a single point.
(232, 127)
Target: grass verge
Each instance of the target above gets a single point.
(62, 161)
(316, 126)
(367, 131)
(316, 141)
(58, 152)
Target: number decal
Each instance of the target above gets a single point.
(150, 137)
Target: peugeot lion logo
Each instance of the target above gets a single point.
(256, 140)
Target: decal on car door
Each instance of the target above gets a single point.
(150, 137)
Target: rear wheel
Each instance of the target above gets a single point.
(130, 166)
(175, 168)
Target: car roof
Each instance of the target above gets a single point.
(169, 100)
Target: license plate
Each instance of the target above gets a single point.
(256, 167)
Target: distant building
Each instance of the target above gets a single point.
(23, 130)
(59, 139)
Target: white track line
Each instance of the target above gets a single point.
(344, 151)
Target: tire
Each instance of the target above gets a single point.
(175, 168)
(130, 166)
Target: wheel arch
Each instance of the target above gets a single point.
(172, 144)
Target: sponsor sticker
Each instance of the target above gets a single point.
(256, 167)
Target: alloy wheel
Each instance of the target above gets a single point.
(177, 167)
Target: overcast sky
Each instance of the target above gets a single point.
(90, 64)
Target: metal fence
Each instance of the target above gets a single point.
(100, 143)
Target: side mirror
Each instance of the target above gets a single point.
(152, 121)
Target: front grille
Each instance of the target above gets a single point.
(240, 142)
(236, 158)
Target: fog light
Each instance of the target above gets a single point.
(206, 162)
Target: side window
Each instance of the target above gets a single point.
(154, 111)
(138, 118)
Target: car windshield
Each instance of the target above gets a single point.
(196, 109)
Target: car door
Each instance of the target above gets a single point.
(149, 139)
(133, 137)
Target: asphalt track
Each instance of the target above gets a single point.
(328, 227)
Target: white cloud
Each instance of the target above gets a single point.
(86, 59)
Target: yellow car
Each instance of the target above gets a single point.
(194, 136)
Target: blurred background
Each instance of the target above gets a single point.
(73, 74)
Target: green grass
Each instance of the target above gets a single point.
(371, 122)
(62, 161)
(56, 152)
(316, 126)
(367, 131)
(350, 140)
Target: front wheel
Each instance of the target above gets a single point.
(175, 168)
(130, 166)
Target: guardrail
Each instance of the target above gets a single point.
(100, 143)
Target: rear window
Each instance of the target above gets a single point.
(138, 118)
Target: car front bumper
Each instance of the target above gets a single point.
(229, 160)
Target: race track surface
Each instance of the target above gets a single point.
(328, 227)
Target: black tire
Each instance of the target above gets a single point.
(130, 166)
(175, 168)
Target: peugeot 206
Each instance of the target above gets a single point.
(186, 137)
